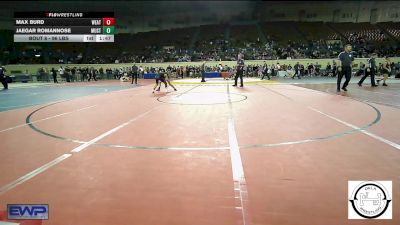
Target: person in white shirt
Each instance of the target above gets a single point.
(61, 71)
(278, 67)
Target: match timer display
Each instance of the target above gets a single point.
(64, 27)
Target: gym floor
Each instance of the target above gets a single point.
(271, 153)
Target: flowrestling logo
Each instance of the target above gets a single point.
(370, 200)
(28, 211)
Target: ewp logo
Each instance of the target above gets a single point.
(28, 212)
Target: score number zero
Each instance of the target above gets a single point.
(108, 25)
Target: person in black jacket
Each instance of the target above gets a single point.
(73, 74)
(92, 74)
(54, 73)
(3, 79)
(265, 72)
(296, 71)
(67, 74)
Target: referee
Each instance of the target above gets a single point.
(346, 59)
(135, 70)
(203, 72)
(370, 71)
(239, 70)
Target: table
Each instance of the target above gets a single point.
(212, 74)
(149, 76)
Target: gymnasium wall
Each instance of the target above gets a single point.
(144, 16)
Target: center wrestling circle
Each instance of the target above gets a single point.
(221, 98)
(202, 98)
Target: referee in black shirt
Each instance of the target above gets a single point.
(203, 72)
(239, 70)
(134, 74)
(346, 58)
(370, 71)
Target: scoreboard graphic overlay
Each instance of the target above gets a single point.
(64, 27)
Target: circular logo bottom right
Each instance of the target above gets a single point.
(370, 200)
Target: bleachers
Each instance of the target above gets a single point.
(211, 38)
(212, 32)
(392, 28)
(282, 32)
(244, 33)
(317, 31)
(284, 39)
(356, 31)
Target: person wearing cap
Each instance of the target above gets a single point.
(370, 71)
(346, 59)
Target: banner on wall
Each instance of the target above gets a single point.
(332, 42)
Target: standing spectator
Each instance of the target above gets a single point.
(302, 70)
(101, 72)
(273, 70)
(61, 72)
(67, 74)
(328, 69)
(310, 69)
(296, 70)
(386, 70)
(92, 74)
(85, 72)
(3, 79)
(54, 73)
(265, 71)
(73, 72)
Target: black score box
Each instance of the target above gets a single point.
(63, 38)
(98, 38)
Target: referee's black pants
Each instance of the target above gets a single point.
(203, 76)
(239, 73)
(346, 72)
(134, 77)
